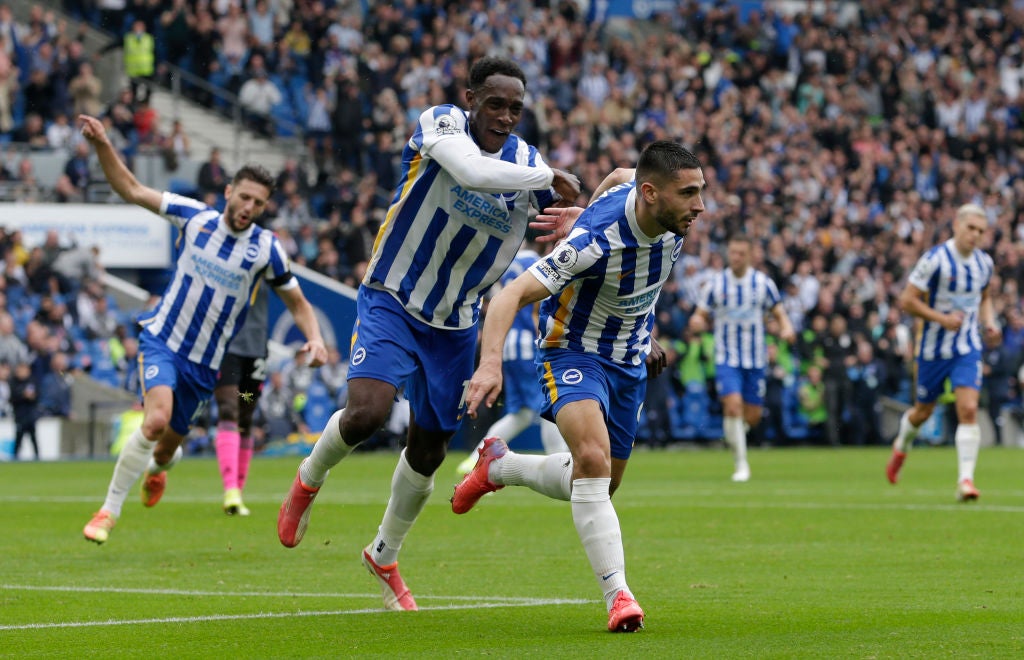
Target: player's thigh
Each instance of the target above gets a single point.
(437, 387)
(931, 379)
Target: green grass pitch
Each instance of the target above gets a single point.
(816, 557)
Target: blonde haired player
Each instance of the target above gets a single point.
(948, 292)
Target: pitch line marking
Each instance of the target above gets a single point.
(285, 615)
(277, 594)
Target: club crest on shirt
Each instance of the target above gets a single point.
(252, 253)
(677, 250)
(445, 125)
(358, 356)
(151, 371)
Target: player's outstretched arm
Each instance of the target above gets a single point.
(117, 173)
(485, 385)
(305, 318)
(557, 221)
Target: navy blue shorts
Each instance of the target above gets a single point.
(962, 371)
(568, 376)
(750, 383)
(433, 365)
(191, 383)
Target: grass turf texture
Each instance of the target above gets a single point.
(818, 556)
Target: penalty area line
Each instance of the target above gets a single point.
(286, 615)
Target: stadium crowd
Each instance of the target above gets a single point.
(840, 140)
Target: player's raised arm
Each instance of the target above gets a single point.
(501, 311)
(117, 173)
(305, 319)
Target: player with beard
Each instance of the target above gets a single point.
(599, 287)
(222, 257)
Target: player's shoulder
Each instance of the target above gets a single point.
(444, 119)
(608, 209)
(175, 204)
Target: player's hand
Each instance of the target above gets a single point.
(993, 335)
(312, 354)
(484, 386)
(567, 186)
(92, 129)
(657, 360)
(556, 220)
(952, 321)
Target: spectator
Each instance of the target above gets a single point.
(32, 132)
(25, 401)
(55, 389)
(139, 55)
(258, 96)
(12, 350)
(73, 184)
(86, 90)
(212, 176)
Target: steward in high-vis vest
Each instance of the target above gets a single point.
(139, 52)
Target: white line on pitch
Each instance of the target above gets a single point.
(284, 615)
(268, 594)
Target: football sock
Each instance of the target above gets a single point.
(245, 451)
(968, 440)
(511, 425)
(410, 491)
(548, 475)
(905, 437)
(156, 468)
(227, 443)
(551, 438)
(328, 451)
(736, 438)
(598, 528)
(132, 460)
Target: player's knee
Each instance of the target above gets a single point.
(967, 413)
(227, 411)
(592, 462)
(359, 423)
(155, 423)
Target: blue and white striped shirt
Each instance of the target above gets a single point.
(605, 278)
(521, 340)
(738, 305)
(441, 245)
(952, 282)
(216, 272)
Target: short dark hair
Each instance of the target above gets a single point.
(257, 174)
(485, 67)
(661, 159)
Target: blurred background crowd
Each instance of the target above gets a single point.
(840, 136)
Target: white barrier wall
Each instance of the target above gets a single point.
(48, 431)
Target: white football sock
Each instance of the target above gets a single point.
(135, 454)
(598, 528)
(410, 491)
(547, 475)
(905, 437)
(511, 425)
(736, 438)
(551, 438)
(328, 451)
(968, 440)
(155, 468)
